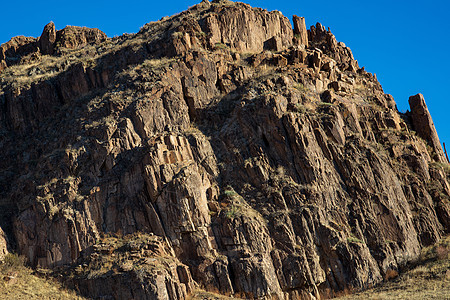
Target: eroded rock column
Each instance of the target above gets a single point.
(424, 126)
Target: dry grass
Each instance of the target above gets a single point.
(203, 295)
(48, 66)
(441, 166)
(429, 279)
(234, 206)
(19, 282)
(140, 253)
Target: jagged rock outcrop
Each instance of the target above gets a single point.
(246, 29)
(232, 25)
(424, 126)
(143, 268)
(73, 37)
(48, 39)
(22, 50)
(17, 47)
(274, 174)
(325, 41)
(300, 31)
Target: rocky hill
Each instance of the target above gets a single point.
(221, 148)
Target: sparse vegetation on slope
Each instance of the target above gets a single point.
(428, 278)
(17, 281)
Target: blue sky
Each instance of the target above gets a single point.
(406, 43)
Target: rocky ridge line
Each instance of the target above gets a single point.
(22, 50)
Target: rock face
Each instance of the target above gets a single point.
(22, 50)
(48, 39)
(73, 37)
(3, 245)
(326, 42)
(424, 126)
(282, 174)
(300, 31)
(143, 268)
(246, 29)
(232, 25)
(17, 47)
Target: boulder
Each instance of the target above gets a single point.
(274, 43)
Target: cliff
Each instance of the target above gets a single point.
(219, 148)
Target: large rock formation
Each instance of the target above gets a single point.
(48, 39)
(247, 29)
(23, 50)
(424, 126)
(17, 47)
(260, 174)
(300, 31)
(73, 37)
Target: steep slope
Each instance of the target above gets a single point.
(428, 278)
(224, 150)
(20, 282)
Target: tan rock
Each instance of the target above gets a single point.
(3, 65)
(274, 43)
(3, 245)
(316, 60)
(323, 39)
(247, 29)
(300, 31)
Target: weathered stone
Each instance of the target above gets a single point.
(73, 37)
(335, 86)
(315, 61)
(22, 50)
(329, 66)
(298, 56)
(140, 272)
(247, 29)
(48, 39)
(3, 245)
(327, 96)
(424, 126)
(17, 47)
(3, 65)
(300, 31)
(274, 43)
(324, 40)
